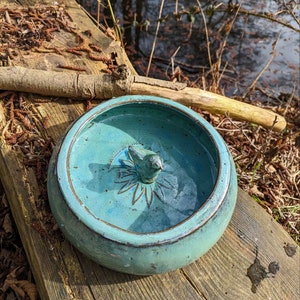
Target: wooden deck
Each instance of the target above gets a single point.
(252, 246)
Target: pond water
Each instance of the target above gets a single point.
(181, 41)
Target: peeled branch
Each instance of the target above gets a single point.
(106, 86)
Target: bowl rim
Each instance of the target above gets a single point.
(112, 232)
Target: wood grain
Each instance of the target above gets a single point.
(103, 86)
(61, 272)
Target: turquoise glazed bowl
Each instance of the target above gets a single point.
(142, 185)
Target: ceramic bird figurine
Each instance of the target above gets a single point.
(148, 164)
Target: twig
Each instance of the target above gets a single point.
(223, 47)
(98, 12)
(263, 69)
(206, 34)
(291, 12)
(251, 142)
(116, 27)
(265, 16)
(155, 37)
(172, 59)
(289, 101)
(104, 86)
(100, 26)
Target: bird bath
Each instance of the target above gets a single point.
(142, 185)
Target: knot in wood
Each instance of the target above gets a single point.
(121, 72)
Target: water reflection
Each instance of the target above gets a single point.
(248, 48)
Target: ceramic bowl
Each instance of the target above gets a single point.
(142, 185)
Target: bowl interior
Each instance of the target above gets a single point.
(102, 176)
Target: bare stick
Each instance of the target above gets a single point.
(105, 86)
(155, 38)
(291, 11)
(263, 69)
(62, 84)
(215, 103)
(206, 35)
(98, 12)
(266, 16)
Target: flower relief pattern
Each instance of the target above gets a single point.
(142, 172)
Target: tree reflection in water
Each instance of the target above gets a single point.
(239, 47)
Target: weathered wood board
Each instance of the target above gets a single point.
(61, 272)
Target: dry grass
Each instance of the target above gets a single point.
(267, 163)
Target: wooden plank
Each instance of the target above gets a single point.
(61, 272)
(251, 229)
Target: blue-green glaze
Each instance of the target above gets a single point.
(105, 208)
(145, 164)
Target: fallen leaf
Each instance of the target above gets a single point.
(254, 191)
(7, 224)
(21, 288)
